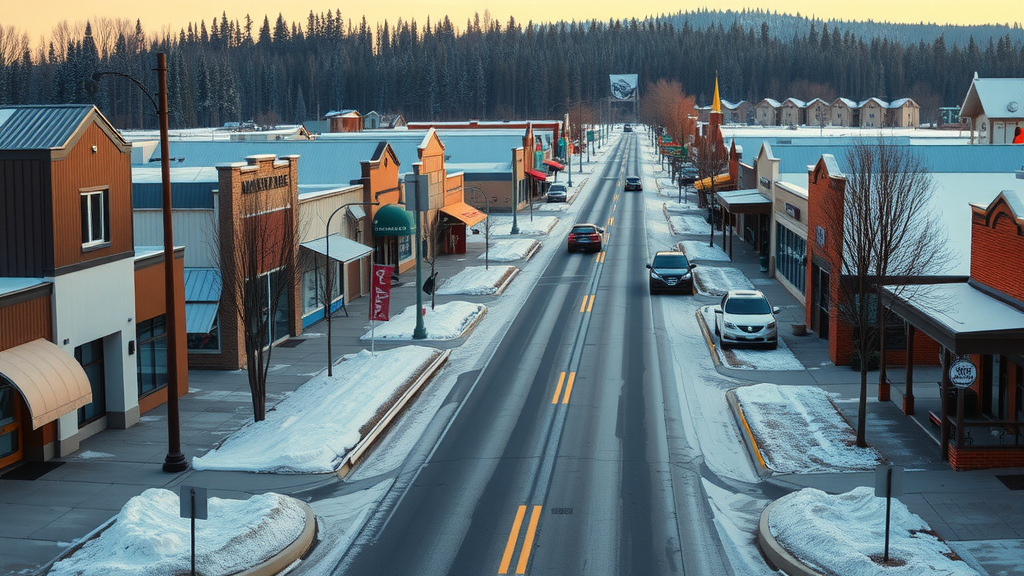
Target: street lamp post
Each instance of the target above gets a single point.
(486, 225)
(327, 280)
(515, 195)
(174, 461)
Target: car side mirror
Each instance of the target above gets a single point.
(718, 310)
(648, 266)
(600, 230)
(776, 310)
(692, 266)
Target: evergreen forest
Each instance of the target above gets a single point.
(274, 71)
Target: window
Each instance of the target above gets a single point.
(271, 292)
(90, 356)
(209, 342)
(151, 358)
(95, 218)
(404, 248)
(790, 257)
(313, 281)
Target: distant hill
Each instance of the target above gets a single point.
(785, 26)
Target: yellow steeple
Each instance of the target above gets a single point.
(716, 104)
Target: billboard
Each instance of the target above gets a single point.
(623, 86)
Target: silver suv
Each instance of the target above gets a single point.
(746, 317)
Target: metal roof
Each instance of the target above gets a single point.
(184, 195)
(995, 97)
(43, 127)
(202, 285)
(340, 248)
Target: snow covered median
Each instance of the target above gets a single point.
(716, 281)
(845, 534)
(699, 250)
(148, 538)
(313, 428)
(444, 322)
(507, 250)
(797, 429)
(479, 281)
(537, 226)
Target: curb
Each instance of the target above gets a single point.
(354, 455)
(763, 471)
(292, 552)
(531, 252)
(707, 337)
(508, 279)
(774, 551)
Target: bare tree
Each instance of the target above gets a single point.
(709, 156)
(888, 233)
(259, 274)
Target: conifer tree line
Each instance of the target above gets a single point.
(269, 72)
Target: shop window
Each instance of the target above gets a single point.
(313, 281)
(272, 291)
(791, 257)
(151, 356)
(90, 356)
(209, 342)
(95, 218)
(404, 248)
(10, 425)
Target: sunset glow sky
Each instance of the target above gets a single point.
(38, 19)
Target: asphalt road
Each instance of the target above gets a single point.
(568, 455)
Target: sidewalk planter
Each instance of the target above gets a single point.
(799, 329)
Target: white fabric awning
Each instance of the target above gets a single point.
(52, 382)
(199, 317)
(341, 249)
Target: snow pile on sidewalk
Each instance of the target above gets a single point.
(716, 281)
(845, 534)
(799, 430)
(148, 538)
(537, 226)
(689, 224)
(478, 280)
(444, 322)
(508, 250)
(699, 250)
(314, 427)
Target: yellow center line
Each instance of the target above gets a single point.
(616, 198)
(583, 306)
(568, 387)
(531, 530)
(611, 220)
(510, 547)
(558, 389)
(602, 256)
(591, 305)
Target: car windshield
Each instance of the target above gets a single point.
(747, 306)
(583, 230)
(631, 179)
(670, 261)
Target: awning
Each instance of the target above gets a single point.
(341, 249)
(393, 220)
(555, 165)
(464, 212)
(199, 317)
(52, 382)
(356, 212)
(744, 202)
(536, 175)
(720, 180)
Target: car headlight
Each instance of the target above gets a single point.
(771, 325)
(656, 275)
(729, 324)
(687, 276)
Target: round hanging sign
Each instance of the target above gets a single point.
(963, 373)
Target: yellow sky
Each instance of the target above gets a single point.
(39, 19)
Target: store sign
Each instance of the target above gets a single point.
(623, 86)
(765, 183)
(819, 236)
(380, 289)
(793, 211)
(265, 183)
(963, 373)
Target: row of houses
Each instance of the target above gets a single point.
(83, 340)
(870, 113)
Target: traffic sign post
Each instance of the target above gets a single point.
(193, 505)
(888, 483)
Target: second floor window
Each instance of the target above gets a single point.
(95, 218)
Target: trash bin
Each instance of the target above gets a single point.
(764, 263)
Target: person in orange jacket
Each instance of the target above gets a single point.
(1018, 136)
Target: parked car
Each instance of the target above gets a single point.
(633, 183)
(687, 175)
(671, 272)
(585, 236)
(627, 128)
(558, 193)
(746, 317)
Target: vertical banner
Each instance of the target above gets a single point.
(380, 286)
(623, 86)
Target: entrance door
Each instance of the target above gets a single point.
(11, 437)
(820, 301)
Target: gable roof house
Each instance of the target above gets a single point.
(793, 112)
(994, 107)
(845, 112)
(817, 112)
(873, 113)
(766, 112)
(904, 113)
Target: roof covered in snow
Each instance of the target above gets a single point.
(995, 97)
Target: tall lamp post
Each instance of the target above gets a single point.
(515, 195)
(174, 461)
(327, 279)
(487, 225)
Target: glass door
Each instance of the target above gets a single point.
(11, 438)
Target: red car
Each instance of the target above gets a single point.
(585, 237)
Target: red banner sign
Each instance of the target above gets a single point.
(380, 289)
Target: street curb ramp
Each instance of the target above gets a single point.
(354, 455)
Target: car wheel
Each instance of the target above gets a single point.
(717, 331)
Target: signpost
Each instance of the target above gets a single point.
(888, 483)
(193, 505)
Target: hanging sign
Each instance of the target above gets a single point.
(963, 372)
(380, 289)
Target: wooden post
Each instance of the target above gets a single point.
(883, 376)
(943, 421)
(908, 398)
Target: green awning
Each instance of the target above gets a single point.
(393, 220)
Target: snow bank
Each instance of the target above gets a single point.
(149, 538)
(715, 281)
(699, 250)
(477, 280)
(444, 322)
(508, 250)
(312, 429)
(538, 226)
(799, 430)
(845, 534)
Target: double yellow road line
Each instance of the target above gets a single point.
(513, 538)
(568, 388)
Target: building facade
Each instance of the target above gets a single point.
(994, 108)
